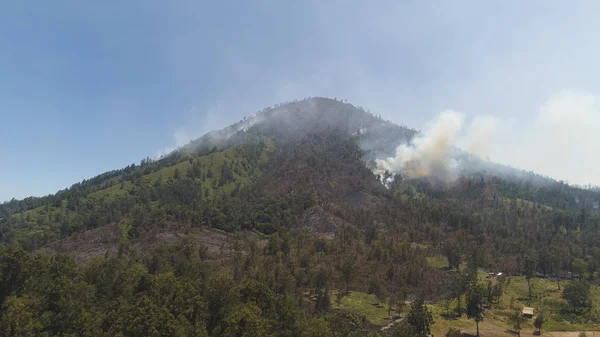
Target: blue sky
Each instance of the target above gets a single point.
(87, 87)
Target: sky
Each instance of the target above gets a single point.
(87, 87)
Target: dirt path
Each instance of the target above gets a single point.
(502, 333)
(391, 325)
(571, 334)
(489, 329)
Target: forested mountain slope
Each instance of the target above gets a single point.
(260, 220)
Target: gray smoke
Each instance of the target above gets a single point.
(562, 141)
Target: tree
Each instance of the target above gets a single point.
(323, 301)
(417, 323)
(577, 294)
(452, 332)
(245, 320)
(459, 285)
(396, 302)
(530, 264)
(452, 251)
(579, 267)
(17, 320)
(315, 327)
(538, 322)
(475, 300)
(347, 267)
(516, 319)
(339, 296)
(391, 302)
(381, 294)
(591, 269)
(556, 261)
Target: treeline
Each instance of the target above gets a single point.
(280, 288)
(506, 231)
(191, 186)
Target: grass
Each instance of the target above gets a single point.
(365, 305)
(546, 298)
(40, 222)
(437, 262)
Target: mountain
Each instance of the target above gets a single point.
(257, 222)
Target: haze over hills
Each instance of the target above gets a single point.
(379, 140)
(255, 226)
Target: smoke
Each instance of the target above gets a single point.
(561, 141)
(428, 153)
(480, 135)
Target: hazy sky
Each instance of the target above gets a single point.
(87, 87)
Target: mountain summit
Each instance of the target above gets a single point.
(295, 120)
(255, 226)
(291, 157)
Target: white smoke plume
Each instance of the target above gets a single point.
(561, 141)
(429, 153)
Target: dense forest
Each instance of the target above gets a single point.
(263, 228)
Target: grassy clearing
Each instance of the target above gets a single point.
(365, 305)
(441, 325)
(440, 262)
(546, 299)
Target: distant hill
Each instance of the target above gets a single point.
(278, 226)
(290, 157)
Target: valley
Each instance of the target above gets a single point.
(280, 225)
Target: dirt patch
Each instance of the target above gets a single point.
(317, 220)
(89, 244)
(571, 334)
(107, 239)
(360, 198)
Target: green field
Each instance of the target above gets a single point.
(546, 299)
(437, 262)
(365, 305)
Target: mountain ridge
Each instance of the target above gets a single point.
(263, 227)
(283, 151)
(292, 120)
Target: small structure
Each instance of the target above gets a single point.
(528, 312)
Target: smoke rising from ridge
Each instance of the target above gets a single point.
(563, 134)
(428, 153)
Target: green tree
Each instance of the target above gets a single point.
(579, 267)
(577, 294)
(538, 322)
(143, 318)
(348, 268)
(245, 320)
(381, 294)
(418, 321)
(315, 327)
(452, 251)
(339, 296)
(458, 287)
(475, 299)
(591, 269)
(399, 300)
(404, 329)
(530, 265)
(323, 301)
(516, 320)
(17, 320)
